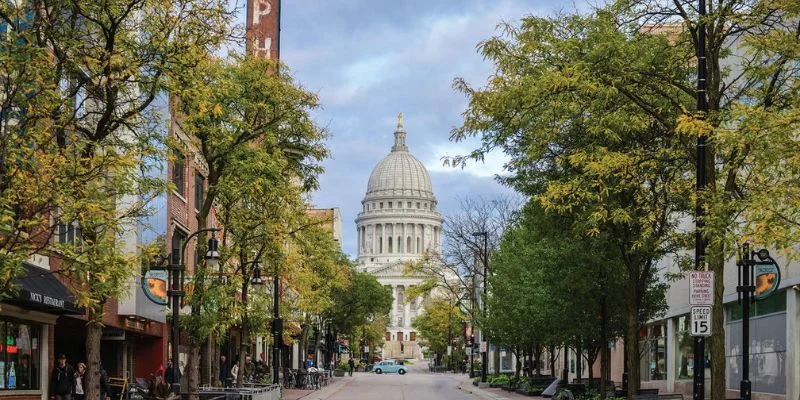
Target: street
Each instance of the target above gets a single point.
(417, 384)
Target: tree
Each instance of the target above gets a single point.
(454, 271)
(355, 305)
(565, 105)
(85, 102)
(553, 285)
(226, 106)
(441, 321)
(752, 57)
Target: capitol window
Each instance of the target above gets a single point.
(381, 205)
(408, 205)
(417, 204)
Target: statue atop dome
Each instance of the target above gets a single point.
(399, 135)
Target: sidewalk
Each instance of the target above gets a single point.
(321, 394)
(465, 384)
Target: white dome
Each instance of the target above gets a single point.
(399, 174)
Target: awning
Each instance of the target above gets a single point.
(40, 290)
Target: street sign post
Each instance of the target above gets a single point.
(701, 288)
(701, 321)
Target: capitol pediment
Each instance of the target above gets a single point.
(395, 269)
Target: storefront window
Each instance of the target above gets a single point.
(684, 348)
(654, 365)
(19, 356)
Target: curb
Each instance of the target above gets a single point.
(323, 394)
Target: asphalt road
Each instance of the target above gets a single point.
(417, 384)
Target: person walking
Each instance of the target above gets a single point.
(224, 371)
(170, 374)
(235, 373)
(105, 389)
(62, 382)
(352, 365)
(79, 393)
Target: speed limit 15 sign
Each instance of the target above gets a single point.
(701, 321)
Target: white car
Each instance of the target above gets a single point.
(389, 366)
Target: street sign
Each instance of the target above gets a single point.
(701, 288)
(154, 285)
(366, 349)
(768, 278)
(484, 346)
(449, 350)
(701, 321)
(469, 350)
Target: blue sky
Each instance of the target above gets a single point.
(369, 60)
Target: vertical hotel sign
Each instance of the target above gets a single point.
(263, 28)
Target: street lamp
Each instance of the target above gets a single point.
(277, 328)
(484, 260)
(176, 271)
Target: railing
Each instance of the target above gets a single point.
(256, 392)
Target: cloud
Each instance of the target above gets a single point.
(369, 60)
(491, 166)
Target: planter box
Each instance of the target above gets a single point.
(338, 372)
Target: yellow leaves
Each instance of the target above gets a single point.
(694, 126)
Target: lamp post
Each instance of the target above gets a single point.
(176, 270)
(256, 281)
(277, 328)
(485, 261)
(699, 377)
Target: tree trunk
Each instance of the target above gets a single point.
(518, 365)
(496, 359)
(94, 330)
(537, 359)
(244, 342)
(592, 352)
(216, 350)
(717, 342)
(552, 360)
(632, 350)
(579, 361)
(603, 347)
(565, 371)
(193, 371)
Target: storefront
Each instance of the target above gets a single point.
(26, 333)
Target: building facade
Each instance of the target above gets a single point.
(398, 224)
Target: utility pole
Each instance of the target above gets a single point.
(700, 243)
(277, 328)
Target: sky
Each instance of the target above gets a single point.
(371, 59)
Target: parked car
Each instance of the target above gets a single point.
(388, 366)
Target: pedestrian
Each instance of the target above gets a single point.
(62, 381)
(235, 372)
(79, 392)
(224, 371)
(170, 374)
(105, 389)
(249, 368)
(352, 365)
(25, 373)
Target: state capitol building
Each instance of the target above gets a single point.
(398, 223)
